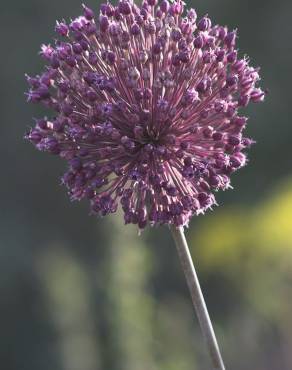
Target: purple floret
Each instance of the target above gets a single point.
(146, 105)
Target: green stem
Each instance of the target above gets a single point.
(197, 296)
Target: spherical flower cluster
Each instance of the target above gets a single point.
(147, 107)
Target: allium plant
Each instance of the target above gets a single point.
(147, 105)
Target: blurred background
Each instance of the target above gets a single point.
(80, 293)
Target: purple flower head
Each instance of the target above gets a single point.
(146, 105)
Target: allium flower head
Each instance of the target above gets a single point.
(147, 104)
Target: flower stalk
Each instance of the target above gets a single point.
(197, 297)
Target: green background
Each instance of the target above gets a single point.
(80, 293)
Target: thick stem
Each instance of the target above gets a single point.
(197, 296)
